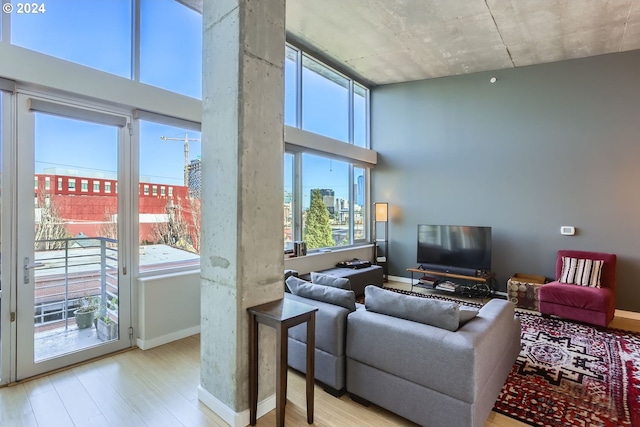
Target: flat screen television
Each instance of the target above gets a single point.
(454, 248)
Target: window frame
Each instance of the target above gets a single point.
(169, 266)
(299, 141)
(298, 194)
(352, 83)
(133, 46)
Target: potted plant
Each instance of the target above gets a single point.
(106, 327)
(86, 311)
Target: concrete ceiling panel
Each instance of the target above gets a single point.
(386, 67)
(631, 37)
(528, 21)
(388, 41)
(580, 44)
(343, 30)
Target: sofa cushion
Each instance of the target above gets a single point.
(333, 281)
(442, 314)
(331, 326)
(583, 272)
(336, 296)
(586, 298)
(292, 279)
(466, 314)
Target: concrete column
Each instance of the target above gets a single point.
(242, 258)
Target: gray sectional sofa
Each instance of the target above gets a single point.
(330, 354)
(335, 300)
(428, 374)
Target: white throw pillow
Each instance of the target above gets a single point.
(583, 272)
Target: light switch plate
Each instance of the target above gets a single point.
(567, 230)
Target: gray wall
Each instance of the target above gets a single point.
(544, 146)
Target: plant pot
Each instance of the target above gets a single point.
(107, 331)
(84, 319)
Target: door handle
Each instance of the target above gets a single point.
(28, 266)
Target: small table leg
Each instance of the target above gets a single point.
(253, 369)
(281, 315)
(281, 373)
(311, 345)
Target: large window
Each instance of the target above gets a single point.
(328, 199)
(360, 116)
(102, 34)
(3, 328)
(169, 228)
(171, 46)
(325, 100)
(325, 202)
(290, 87)
(325, 195)
(288, 201)
(321, 100)
(96, 34)
(359, 207)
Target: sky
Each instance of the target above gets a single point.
(97, 33)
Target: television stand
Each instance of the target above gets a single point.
(479, 288)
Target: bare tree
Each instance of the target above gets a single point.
(109, 227)
(195, 207)
(175, 231)
(50, 229)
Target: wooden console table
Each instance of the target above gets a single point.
(480, 285)
(281, 315)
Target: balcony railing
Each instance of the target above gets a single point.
(76, 268)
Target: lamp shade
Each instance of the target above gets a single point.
(382, 212)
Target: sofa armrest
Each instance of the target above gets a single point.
(497, 336)
(331, 324)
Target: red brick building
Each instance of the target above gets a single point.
(88, 205)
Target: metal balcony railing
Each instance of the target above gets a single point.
(75, 268)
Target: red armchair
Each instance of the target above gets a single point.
(584, 304)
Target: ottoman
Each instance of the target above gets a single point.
(359, 278)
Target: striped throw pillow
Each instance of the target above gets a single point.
(583, 272)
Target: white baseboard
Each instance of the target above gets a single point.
(231, 417)
(400, 279)
(164, 339)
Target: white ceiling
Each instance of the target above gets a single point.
(389, 41)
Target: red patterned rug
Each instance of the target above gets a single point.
(571, 374)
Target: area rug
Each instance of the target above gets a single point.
(571, 374)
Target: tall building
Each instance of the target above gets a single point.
(360, 190)
(328, 197)
(195, 178)
(342, 210)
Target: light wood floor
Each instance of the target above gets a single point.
(158, 387)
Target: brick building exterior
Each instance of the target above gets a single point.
(88, 205)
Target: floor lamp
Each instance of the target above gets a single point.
(381, 236)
